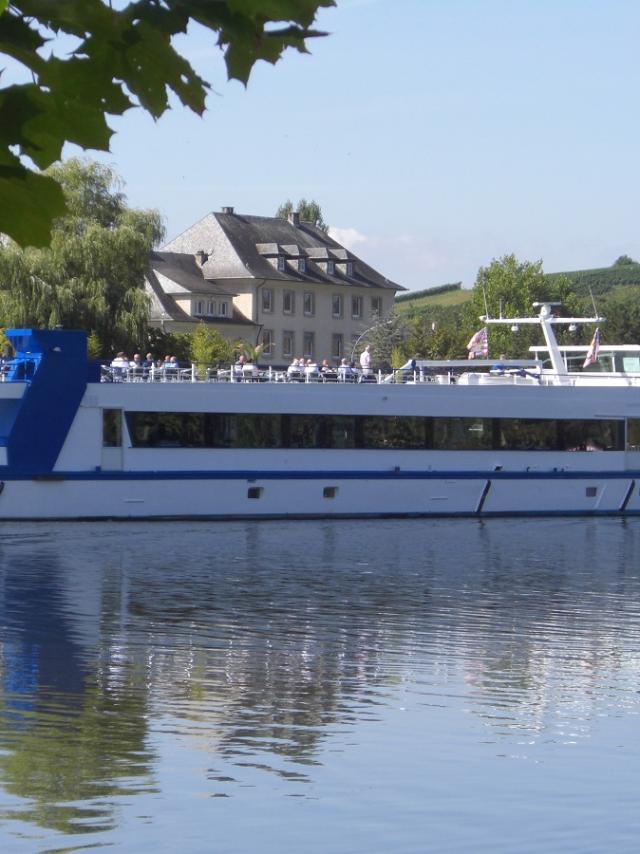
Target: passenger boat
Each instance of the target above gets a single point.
(450, 439)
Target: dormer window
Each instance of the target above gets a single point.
(302, 265)
(349, 269)
(331, 268)
(282, 264)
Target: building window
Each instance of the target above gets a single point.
(356, 308)
(198, 307)
(267, 300)
(288, 343)
(282, 264)
(329, 491)
(223, 308)
(349, 269)
(255, 492)
(337, 347)
(331, 268)
(211, 307)
(376, 306)
(267, 342)
(288, 302)
(337, 305)
(309, 303)
(302, 265)
(308, 345)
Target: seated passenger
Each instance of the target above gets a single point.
(294, 369)
(345, 372)
(136, 366)
(499, 367)
(249, 370)
(120, 366)
(310, 368)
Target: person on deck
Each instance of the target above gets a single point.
(365, 360)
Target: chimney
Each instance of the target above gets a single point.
(227, 210)
(294, 218)
(201, 257)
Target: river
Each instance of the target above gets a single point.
(327, 686)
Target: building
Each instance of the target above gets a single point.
(282, 283)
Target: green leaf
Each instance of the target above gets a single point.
(30, 202)
(3, 5)
(303, 12)
(19, 40)
(40, 123)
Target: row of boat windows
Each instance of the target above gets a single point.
(235, 430)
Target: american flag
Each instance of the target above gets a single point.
(479, 344)
(594, 349)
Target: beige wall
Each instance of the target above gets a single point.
(321, 323)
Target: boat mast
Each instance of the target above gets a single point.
(547, 320)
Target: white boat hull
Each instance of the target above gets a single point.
(316, 495)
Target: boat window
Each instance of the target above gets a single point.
(374, 432)
(631, 364)
(463, 434)
(111, 428)
(389, 432)
(633, 434)
(516, 434)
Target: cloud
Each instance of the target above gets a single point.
(348, 237)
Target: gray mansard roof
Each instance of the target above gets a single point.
(241, 247)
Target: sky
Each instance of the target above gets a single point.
(435, 134)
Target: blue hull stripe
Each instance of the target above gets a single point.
(316, 474)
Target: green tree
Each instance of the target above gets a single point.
(508, 288)
(623, 261)
(439, 332)
(209, 347)
(387, 339)
(92, 275)
(123, 57)
(621, 307)
(310, 211)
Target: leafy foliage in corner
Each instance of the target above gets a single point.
(92, 275)
(310, 211)
(123, 57)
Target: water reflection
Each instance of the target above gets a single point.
(268, 648)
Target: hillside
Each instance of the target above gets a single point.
(444, 295)
(601, 280)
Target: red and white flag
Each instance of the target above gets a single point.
(594, 349)
(478, 347)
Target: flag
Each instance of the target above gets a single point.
(594, 348)
(479, 344)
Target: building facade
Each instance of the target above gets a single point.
(281, 283)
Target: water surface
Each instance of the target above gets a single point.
(343, 686)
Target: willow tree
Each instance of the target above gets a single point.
(92, 275)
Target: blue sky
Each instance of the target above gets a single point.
(435, 134)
